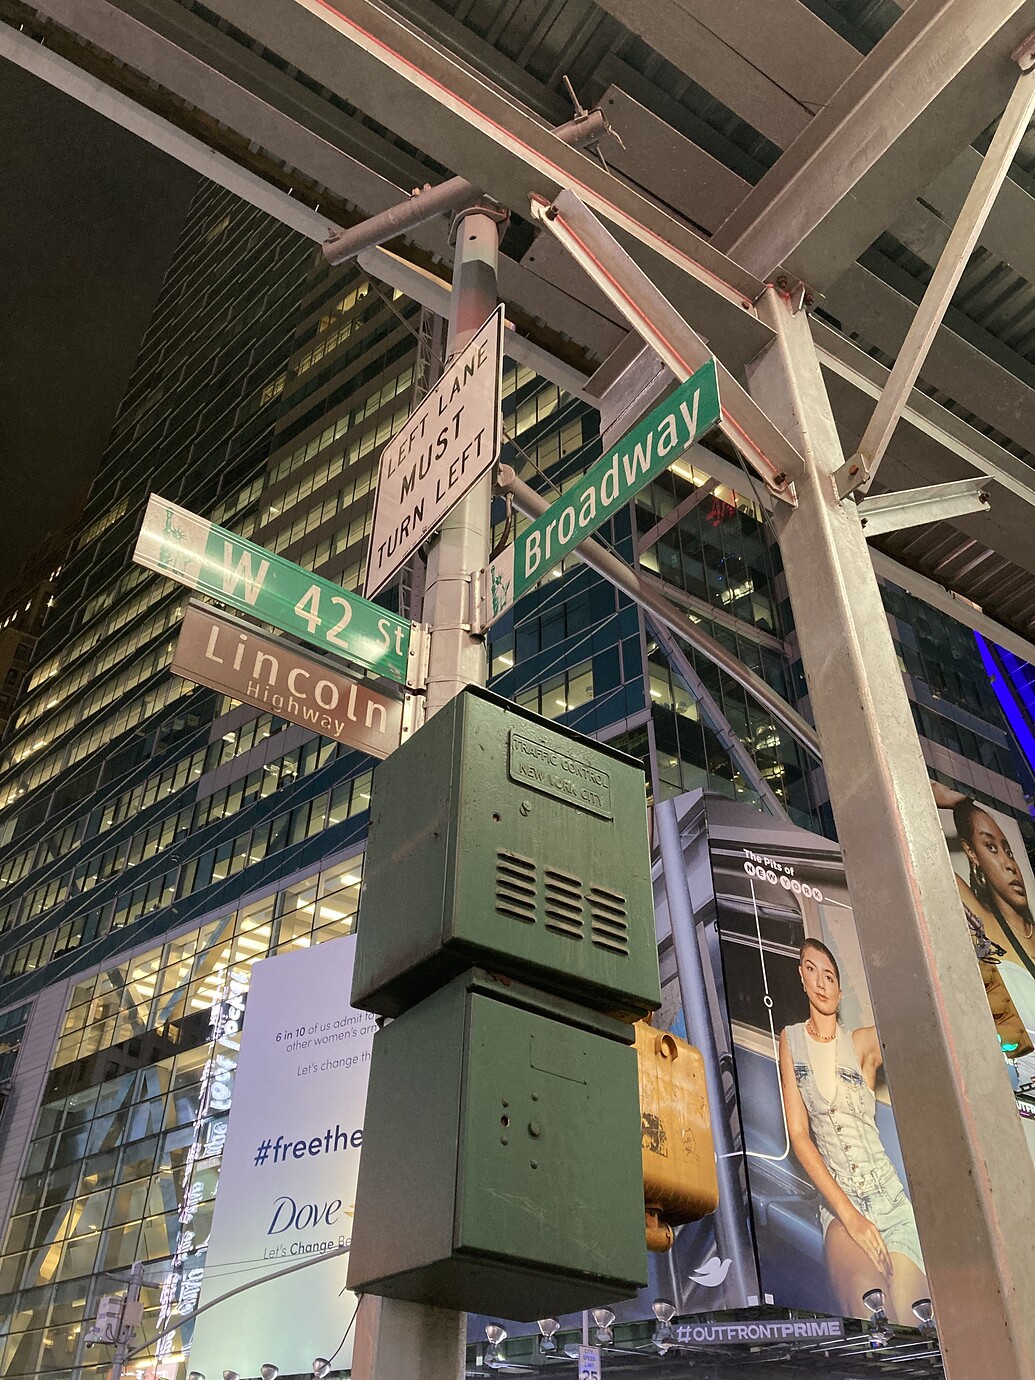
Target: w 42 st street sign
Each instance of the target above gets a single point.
(644, 453)
(202, 556)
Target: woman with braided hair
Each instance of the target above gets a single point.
(995, 900)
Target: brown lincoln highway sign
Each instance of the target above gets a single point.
(227, 655)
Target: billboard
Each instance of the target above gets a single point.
(997, 887)
(829, 1199)
(287, 1185)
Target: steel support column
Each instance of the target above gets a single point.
(970, 1171)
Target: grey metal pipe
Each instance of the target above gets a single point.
(615, 569)
(734, 1239)
(444, 199)
(717, 720)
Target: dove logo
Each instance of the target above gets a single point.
(711, 1273)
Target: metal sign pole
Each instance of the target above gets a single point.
(128, 1321)
(970, 1170)
(457, 656)
(393, 1338)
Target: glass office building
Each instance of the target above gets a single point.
(156, 838)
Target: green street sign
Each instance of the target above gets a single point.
(202, 556)
(646, 452)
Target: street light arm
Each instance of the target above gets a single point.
(238, 1289)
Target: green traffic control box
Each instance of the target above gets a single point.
(500, 839)
(501, 1169)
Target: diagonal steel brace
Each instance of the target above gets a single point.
(858, 471)
(657, 322)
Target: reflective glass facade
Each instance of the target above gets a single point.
(124, 1160)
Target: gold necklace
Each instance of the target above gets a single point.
(823, 1039)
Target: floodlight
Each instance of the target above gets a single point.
(495, 1336)
(663, 1334)
(548, 1329)
(923, 1311)
(604, 1317)
(878, 1330)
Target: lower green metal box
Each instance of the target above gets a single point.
(501, 1168)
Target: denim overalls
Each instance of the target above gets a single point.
(845, 1134)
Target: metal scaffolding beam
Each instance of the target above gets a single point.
(858, 471)
(939, 76)
(839, 356)
(269, 111)
(756, 69)
(394, 75)
(891, 512)
(657, 323)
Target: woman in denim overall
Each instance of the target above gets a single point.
(828, 1076)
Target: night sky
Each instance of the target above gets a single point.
(89, 217)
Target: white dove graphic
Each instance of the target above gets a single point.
(711, 1273)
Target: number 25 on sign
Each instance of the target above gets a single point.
(589, 1363)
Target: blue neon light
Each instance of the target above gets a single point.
(1013, 682)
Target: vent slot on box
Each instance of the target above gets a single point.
(563, 904)
(609, 921)
(516, 886)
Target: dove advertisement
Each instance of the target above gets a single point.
(829, 1195)
(287, 1185)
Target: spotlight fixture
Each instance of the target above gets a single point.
(923, 1311)
(495, 1336)
(548, 1329)
(879, 1330)
(269, 1371)
(320, 1367)
(231, 1375)
(874, 1301)
(663, 1333)
(196, 1375)
(603, 1317)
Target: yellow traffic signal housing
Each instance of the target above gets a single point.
(679, 1177)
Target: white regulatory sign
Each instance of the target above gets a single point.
(444, 447)
(589, 1363)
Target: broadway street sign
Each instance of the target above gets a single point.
(226, 654)
(214, 561)
(648, 450)
(442, 450)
